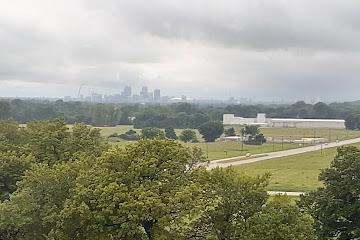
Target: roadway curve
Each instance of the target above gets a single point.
(219, 163)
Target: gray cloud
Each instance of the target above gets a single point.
(203, 49)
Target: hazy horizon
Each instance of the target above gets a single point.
(267, 51)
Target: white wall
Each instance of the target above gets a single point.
(230, 119)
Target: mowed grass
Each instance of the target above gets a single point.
(298, 173)
(106, 131)
(297, 133)
(293, 173)
(220, 150)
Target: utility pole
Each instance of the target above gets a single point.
(242, 139)
(207, 150)
(321, 143)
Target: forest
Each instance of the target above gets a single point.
(177, 115)
(61, 183)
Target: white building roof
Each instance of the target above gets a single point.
(306, 120)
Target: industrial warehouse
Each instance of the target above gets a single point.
(262, 121)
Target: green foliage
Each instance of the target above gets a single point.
(251, 130)
(12, 168)
(279, 219)
(177, 115)
(258, 139)
(211, 130)
(151, 133)
(152, 189)
(196, 157)
(336, 206)
(234, 198)
(135, 193)
(187, 135)
(105, 115)
(170, 133)
(35, 206)
(229, 132)
(4, 109)
(352, 121)
(130, 135)
(41, 142)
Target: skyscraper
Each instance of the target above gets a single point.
(127, 91)
(157, 94)
(144, 92)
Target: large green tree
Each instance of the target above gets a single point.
(41, 142)
(279, 219)
(142, 192)
(234, 199)
(188, 135)
(336, 206)
(211, 130)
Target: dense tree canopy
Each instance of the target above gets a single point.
(336, 206)
(70, 185)
(41, 142)
(176, 115)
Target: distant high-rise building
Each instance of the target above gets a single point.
(157, 94)
(144, 92)
(126, 92)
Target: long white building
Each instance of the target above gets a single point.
(261, 120)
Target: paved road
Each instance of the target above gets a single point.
(273, 193)
(218, 163)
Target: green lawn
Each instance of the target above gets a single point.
(106, 131)
(218, 150)
(293, 173)
(297, 133)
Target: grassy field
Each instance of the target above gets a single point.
(296, 133)
(218, 150)
(293, 173)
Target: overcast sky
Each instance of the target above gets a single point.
(265, 50)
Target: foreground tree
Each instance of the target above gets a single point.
(236, 197)
(41, 142)
(336, 206)
(279, 219)
(152, 189)
(211, 130)
(142, 192)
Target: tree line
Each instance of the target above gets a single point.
(57, 183)
(176, 115)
